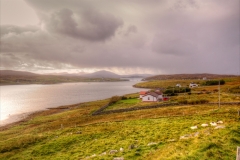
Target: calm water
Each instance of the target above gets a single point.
(16, 100)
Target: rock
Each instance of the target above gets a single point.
(219, 122)
(78, 132)
(94, 155)
(152, 143)
(213, 123)
(113, 151)
(207, 132)
(121, 149)
(219, 127)
(131, 146)
(196, 134)
(204, 125)
(104, 153)
(171, 140)
(187, 136)
(118, 158)
(193, 127)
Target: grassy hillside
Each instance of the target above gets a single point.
(160, 133)
(187, 76)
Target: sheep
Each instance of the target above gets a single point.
(204, 125)
(219, 122)
(213, 123)
(193, 127)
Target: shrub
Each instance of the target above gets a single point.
(193, 101)
(171, 90)
(124, 98)
(235, 89)
(114, 99)
(214, 82)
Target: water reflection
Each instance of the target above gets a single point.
(19, 99)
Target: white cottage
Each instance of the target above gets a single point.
(192, 85)
(178, 85)
(152, 97)
(142, 93)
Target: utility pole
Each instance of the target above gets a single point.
(219, 94)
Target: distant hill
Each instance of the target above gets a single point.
(16, 73)
(67, 74)
(98, 74)
(136, 76)
(187, 76)
(107, 74)
(102, 74)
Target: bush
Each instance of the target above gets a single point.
(235, 89)
(214, 82)
(114, 99)
(193, 101)
(124, 98)
(171, 90)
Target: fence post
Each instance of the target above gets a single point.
(238, 153)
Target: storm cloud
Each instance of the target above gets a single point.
(183, 36)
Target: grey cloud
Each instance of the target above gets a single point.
(190, 36)
(131, 29)
(184, 4)
(173, 44)
(90, 24)
(12, 29)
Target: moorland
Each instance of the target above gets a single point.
(166, 132)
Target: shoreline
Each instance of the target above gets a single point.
(14, 84)
(28, 116)
(48, 111)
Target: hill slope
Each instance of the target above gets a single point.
(16, 73)
(187, 76)
(102, 74)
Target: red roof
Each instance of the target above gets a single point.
(154, 94)
(143, 92)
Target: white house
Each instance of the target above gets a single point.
(142, 93)
(178, 85)
(152, 97)
(192, 85)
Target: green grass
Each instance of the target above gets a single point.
(128, 103)
(43, 138)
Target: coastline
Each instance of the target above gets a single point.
(28, 116)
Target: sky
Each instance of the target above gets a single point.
(125, 37)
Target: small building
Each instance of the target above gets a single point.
(152, 97)
(142, 93)
(178, 85)
(204, 78)
(193, 85)
(165, 98)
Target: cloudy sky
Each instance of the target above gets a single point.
(125, 36)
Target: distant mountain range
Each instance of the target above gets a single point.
(102, 74)
(16, 73)
(107, 74)
(98, 74)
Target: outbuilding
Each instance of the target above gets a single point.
(192, 85)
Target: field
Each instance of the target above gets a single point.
(160, 133)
